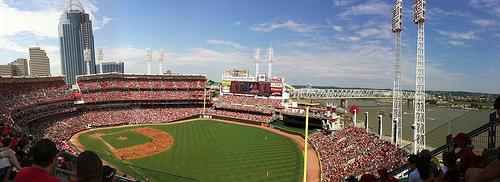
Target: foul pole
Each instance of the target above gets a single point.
(305, 143)
(397, 117)
(419, 122)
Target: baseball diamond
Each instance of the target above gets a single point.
(198, 150)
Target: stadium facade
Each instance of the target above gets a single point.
(111, 67)
(75, 36)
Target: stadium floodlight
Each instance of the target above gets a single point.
(419, 105)
(397, 16)
(100, 57)
(256, 58)
(270, 59)
(149, 58)
(397, 117)
(161, 56)
(419, 11)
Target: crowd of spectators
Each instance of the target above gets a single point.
(61, 129)
(147, 84)
(246, 103)
(353, 151)
(241, 115)
(18, 95)
(150, 95)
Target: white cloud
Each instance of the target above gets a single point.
(200, 60)
(484, 22)
(39, 18)
(337, 28)
(348, 38)
(470, 35)
(289, 24)
(375, 32)
(342, 2)
(436, 12)
(372, 7)
(456, 43)
(224, 42)
(237, 23)
(490, 6)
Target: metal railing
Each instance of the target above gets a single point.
(484, 138)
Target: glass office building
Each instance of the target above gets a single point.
(75, 35)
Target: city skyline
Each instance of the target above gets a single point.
(341, 42)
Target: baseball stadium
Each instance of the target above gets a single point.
(98, 123)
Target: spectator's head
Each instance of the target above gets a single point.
(425, 155)
(108, 173)
(6, 142)
(412, 160)
(461, 140)
(44, 153)
(351, 179)
(88, 167)
(367, 177)
(383, 173)
(22, 145)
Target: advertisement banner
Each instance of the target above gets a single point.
(225, 89)
(225, 83)
(273, 90)
(261, 77)
(274, 84)
(277, 79)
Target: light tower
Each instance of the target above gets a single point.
(86, 59)
(270, 59)
(149, 57)
(256, 58)
(397, 118)
(161, 56)
(100, 57)
(419, 122)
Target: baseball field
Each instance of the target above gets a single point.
(200, 150)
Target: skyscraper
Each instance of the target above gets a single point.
(20, 67)
(75, 36)
(39, 62)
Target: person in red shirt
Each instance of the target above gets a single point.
(385, 177)
(44, 158)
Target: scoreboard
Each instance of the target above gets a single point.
(254, 88)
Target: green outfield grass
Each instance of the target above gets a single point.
(213, 151)
(133, 138)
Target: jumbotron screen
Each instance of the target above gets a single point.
(254, 88)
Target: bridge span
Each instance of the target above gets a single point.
(311, 93)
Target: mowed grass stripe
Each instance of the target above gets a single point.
(215, 151)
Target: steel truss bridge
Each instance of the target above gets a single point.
(307, 93)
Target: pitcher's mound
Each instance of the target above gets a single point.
(121, 138)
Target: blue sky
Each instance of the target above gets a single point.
(330, 42)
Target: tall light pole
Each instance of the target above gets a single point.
(270, 59)
(419, 122)
(256, 58)
(149, 58)
(397, 117)
(86, 59)
(161, 56)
